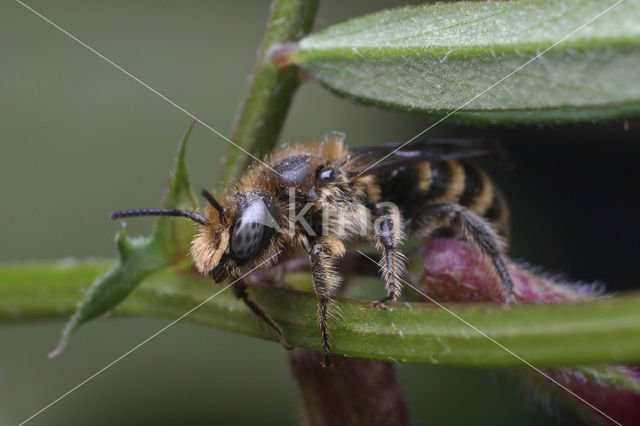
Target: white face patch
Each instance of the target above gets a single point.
(249, 229)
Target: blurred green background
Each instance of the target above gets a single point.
(79, 139)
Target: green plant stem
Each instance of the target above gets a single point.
(265, 107)
(598, 331)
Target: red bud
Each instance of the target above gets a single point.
(455, 271)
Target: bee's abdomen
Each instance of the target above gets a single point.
(415, 187)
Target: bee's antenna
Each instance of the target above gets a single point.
(196, 217)
(211, 199)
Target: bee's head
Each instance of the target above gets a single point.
(232, 234)
(238, 232)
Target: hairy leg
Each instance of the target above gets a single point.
(388, 235)
(323, 253)
(474, 229)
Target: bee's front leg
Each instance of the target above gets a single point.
(323, 253)
(388, 235)
(240, 290)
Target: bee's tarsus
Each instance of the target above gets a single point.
(382, 303)
(240, 290)
(327, 360)
(510, 300)
(285, 344)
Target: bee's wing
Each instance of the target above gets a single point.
(379, 159)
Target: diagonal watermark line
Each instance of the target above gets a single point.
(145, 85)
(501, 346)
(495, 84)
(143, 342)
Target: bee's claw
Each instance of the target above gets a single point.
(327, 361)
(286, 345)
(382, 303)
(283, 341)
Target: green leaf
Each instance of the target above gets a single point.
(140, 257)
(605, 330)
(444, 57)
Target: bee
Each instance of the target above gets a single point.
(320, 197)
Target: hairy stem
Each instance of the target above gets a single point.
(603, 330)
(262, 114)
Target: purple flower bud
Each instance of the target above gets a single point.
(455, 271)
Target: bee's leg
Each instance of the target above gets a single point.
(324, 251)
(473, 228)
(388, 235)
(240, 291)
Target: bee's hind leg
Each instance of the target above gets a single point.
(473, 228)
(240, 290)
(388, 235)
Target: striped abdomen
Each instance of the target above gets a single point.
(414, 187)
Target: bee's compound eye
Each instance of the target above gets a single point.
(246, 240)
(249, 230)
(328, 174)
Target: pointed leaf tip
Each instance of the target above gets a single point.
(179, 189)
(58, 349)
(54, 353)
(139, 258)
